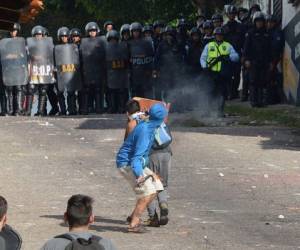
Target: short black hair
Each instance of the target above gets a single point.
(3, 207)
(132, 107)
(79, 210)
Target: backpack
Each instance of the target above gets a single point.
(162, 137)
(82, 244)
(11, 238)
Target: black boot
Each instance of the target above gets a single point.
(29, 101)
(62, 104)
(10, 104)
(53, 101)
(3, 103)
(99, 103)
(42, 106)
(84, 103)
(19, 104)
(71, 99)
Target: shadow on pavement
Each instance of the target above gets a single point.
(98, 228)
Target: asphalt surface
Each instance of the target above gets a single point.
(231, 188)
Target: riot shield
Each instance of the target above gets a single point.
(93, 60)
(68, 67)
(142, 56)
(117, 59)
(14, 61)
(41, 60)
(11, 238)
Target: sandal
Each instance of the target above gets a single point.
(138, 229)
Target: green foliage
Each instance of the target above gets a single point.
(281, 115)
(76, 13)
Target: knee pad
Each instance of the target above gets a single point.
(43, 90)
(31, 89)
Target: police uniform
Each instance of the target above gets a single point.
(216, 57)
(257, 50)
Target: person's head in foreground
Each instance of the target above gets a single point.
(79, 214)
(3, 212)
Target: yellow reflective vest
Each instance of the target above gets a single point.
(214, 51)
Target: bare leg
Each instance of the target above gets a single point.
(140, 207)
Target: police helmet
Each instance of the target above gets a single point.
(194, 30)
(136, 27)
(217, 18)
(208, 25)
(91, 26)
(258, 16)
(200, 24)
(45, 32)
(17, 27)
(148, 28)
(158, 23)
(219, 31)
(63, 31)
(243, 14)
(125, 28)
(112, 34)
(75, 32)
(181, 22)
(231, 9)
(255, 7)
(37, 30)
(108, 23)
(169, 30)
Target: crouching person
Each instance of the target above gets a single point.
(79, 216)
(9, 238)
(132, 161)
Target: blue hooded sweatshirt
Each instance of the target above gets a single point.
(135, 149)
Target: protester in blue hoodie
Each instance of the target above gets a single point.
(132, 161)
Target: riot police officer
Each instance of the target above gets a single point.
(68, 71)
(16, 93)
(142, 56)
(257, 54)
(63, 38)
(158, 27)
(75, 36)
(235, 35)
(194, 49)
(182, 34)
(168, 63)
(117, 61)
(216, 58)
(208, 28)
(108, 26)
(42, 68)
(217, 20)
(148, 31)
(274, 89)
(92, 51)
(125, 32)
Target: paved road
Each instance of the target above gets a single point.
(229, 185)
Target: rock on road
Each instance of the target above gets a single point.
(235, 188)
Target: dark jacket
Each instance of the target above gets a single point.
(277, 43)
(235, 35)
(257, 47)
